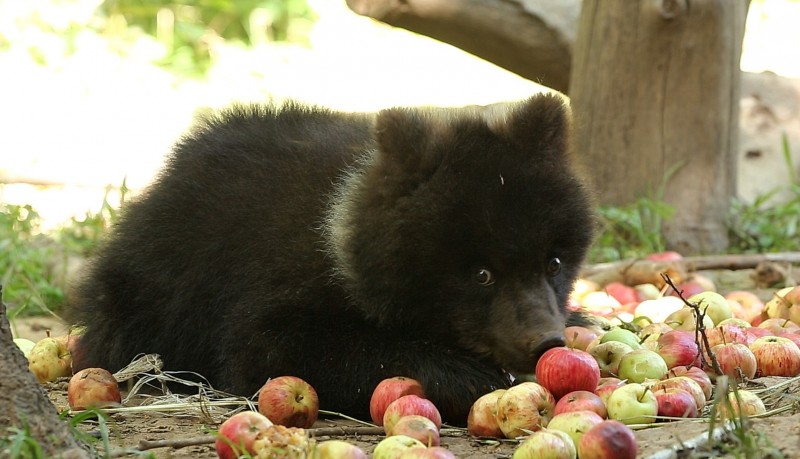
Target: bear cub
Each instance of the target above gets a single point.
(438, 244)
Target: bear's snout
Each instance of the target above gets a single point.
(539, 348)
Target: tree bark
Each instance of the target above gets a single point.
(24, 403)
(532, 38)
(655, 86)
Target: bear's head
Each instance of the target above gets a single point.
(467, 226)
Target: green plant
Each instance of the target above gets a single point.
(20, 444)
(767, 225)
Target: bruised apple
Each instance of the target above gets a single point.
(419, 427)
(289, 401)
(93, 388)
(527, 406)
(389, 390)
(581, 400)
(50, 359)
(237, 434)
(482, 419)
(408, 405)
(338, 449)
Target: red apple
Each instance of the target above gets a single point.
(697, 375)
(389, 390)
(623, 293)
(687, 289)
(419, 427)
(237, 434)
(728, 333)
(482, 418)
(578, 337)
(751, 304)
(675, 403)
(686, 384)
(667, 255)
(546, 444)
(745, 402)
(606, 387)
(527, 405)
(754, 333)
(678, 347)
(289, 401)
(633, 403)
(735, 360)
(776, 356)
(408, 405)
(93, 388)
(608, 440)
(562, 370)
(338, 449)
(574, 423)
(791, 336)
(779, 325)
(581, 400)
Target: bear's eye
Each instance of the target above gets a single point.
(484, 277)
(553, 267)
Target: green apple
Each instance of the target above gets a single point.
(715, 305)
(633, 403)
(24, 345)
(622, 335)
(641, 364)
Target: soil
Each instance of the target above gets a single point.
(128, 430)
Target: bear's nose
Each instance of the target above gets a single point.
(547, 343)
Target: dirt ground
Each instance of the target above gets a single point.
(128, 429)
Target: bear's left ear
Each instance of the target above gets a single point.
(404, 137)
(542, 123)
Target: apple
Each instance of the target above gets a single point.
(408, 405)
(578, 337)
(623, 293)
(482, 418)
(622, 335)
(433, 452)
(546, 444)
(93, 388)
(686, 384)
(779, 325)
(338, 449)
(608, 356)
(633, 403)
(687, 289)
(600, 303)
(713, 304)
(751, 304)
(697, 375)
(727, 332)
(653, 329)
(606, 387)
(24, 345)
(754, 333)
(685, 319)
(50, 359)
(735, 360)
(792, 336)
(646, 292)
(667, 255)
(562, 370)
(389, 390)
(416, 426)
(237, 434)
(746, 403)
(393, 447)
(581, 400)
(776, 356)
(527, 406)
(608, 440)
(289, 401)
(783, 304)
(281, 441)
(574, 423)
(675, 403)
(677, 347)
(641, 364)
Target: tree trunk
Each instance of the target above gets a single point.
(532, 38)
(24, 403)
(655, 86)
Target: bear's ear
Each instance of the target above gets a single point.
(542, 123)
(405, 137)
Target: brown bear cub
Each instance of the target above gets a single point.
(439, 244)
